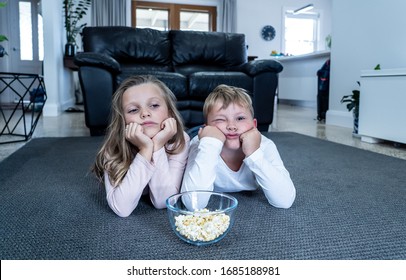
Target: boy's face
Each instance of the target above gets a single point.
(232, 122)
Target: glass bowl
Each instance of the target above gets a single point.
(201, 217)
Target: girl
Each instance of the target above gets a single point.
(146, 148)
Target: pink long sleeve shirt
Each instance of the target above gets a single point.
(159, 178)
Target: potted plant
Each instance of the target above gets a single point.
(352, 101)
(74, 10)
(2, 37)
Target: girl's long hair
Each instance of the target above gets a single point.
(116, 153)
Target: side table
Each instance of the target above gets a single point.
(68, 63)
(19, 117)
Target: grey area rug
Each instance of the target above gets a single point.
(350, 205)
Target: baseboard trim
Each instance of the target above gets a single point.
(340, 118)
(299, 103)
(51, 110)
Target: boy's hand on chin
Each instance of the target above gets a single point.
(168, 130)
(211, 131)
(251, 141)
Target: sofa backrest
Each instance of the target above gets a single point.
(194, 51)
(185, 52)
(131, 47)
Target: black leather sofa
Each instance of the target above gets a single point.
(191, 63)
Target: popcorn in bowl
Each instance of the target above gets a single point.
(201, 217)
(202, 225)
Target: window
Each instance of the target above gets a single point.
(166, 16)
(27, 32)
(301, 33)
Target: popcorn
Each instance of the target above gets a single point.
(202, 225)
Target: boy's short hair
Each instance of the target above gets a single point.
(227, 95)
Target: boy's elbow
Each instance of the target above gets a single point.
(159, 205)
(122, 214)
(285, 203)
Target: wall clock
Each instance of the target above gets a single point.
(268, 33)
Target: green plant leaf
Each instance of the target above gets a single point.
(74, 11)
(352, 100)
(3, 37)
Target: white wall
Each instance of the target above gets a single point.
(57, 80)
(252, 15)
(363, 35)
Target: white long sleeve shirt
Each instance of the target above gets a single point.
(263, 169)
(160, 178)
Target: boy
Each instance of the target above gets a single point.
(229, 154)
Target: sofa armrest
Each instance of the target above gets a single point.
(97, 60)
(255, 67)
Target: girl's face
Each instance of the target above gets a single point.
(232, 121)
(144, 105)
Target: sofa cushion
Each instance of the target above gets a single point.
(192, 117)
(211, 51)
(127, 45)
(202, 83)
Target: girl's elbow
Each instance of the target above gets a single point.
(123, 212)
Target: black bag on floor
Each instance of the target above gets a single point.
(323, 85)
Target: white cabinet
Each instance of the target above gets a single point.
(382, 110)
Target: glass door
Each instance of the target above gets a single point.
(26, 51)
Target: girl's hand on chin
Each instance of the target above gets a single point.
(168, 130)
(134, 133)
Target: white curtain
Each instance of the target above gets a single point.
(109, 12)
(229, 16)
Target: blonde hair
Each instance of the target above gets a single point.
(227, 95)
(116, 153)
